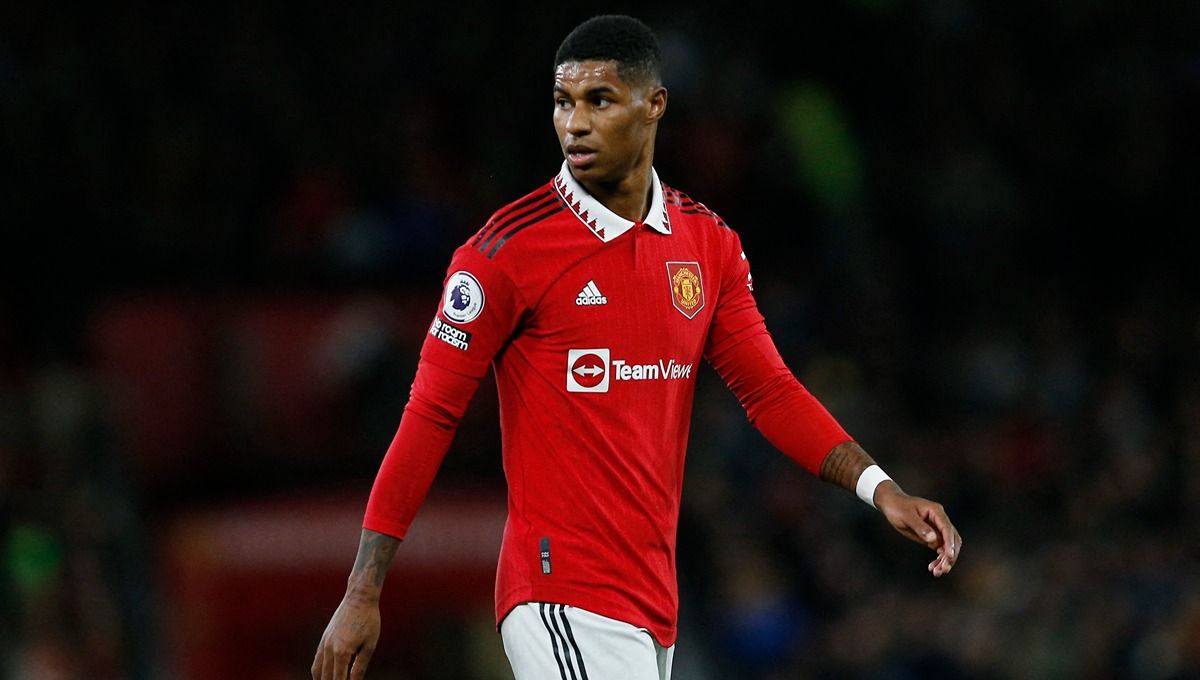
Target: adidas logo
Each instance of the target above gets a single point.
(590, 295)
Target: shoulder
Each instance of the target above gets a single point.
(698, 220)
(514, 248)
(692, 211)
(516, 219)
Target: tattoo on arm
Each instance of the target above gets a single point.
(375, 553)
(844, 464)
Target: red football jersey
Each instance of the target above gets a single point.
(596, 327)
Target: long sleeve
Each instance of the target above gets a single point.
(480, 310)
(436, 404)
(741, 350)
(776, 403)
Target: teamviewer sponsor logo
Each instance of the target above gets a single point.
(591, 370)
(659, 370)
(587, 370)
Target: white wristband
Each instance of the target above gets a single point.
(867, 481)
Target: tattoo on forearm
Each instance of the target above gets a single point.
(844, 464)
(375, 552)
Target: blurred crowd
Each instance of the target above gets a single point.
(224, 230)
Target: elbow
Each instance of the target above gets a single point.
(438, 415)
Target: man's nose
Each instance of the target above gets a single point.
(579, 123)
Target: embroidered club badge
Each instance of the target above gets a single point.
(687, 287)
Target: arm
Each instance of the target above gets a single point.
(479, 313)
(796, 424)
(741, 350)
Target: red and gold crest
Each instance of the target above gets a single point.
(687, 289)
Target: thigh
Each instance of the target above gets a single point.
(558, 642)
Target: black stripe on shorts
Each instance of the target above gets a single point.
(554, 642)
(562, 612)
(567, 641)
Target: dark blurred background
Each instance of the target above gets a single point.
(224, 232)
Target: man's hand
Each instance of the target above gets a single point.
(350, 638)
(353, 632)
(922, 521)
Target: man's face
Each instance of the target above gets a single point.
(603, 124)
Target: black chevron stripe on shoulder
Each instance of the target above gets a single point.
(689, 206)
(514, 216)
(687, 202)
(503, 215)
(703, 211)
(672, 196)
(547, 211)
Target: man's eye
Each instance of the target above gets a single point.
(562, 103)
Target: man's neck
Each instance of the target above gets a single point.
(628, 197)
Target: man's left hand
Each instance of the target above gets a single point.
(922, 521)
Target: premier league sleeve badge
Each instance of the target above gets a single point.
(463, 298)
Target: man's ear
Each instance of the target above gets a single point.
(656, 104)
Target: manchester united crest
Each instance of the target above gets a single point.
(687, 288)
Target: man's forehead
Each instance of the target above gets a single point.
(587, 73)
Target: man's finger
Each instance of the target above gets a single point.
(329, 668)
(326, 660)
(939, 565)
(935, 515)
(359, 669)
(922, 530)
(318, 662)
(947, 556)
(955, 546)
(341, 665)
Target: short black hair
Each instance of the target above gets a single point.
(615, 37)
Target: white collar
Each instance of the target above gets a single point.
(604, 223)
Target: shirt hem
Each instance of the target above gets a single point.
(665, 636)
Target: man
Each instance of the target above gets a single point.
(594, 298)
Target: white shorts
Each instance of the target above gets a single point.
(560, 642)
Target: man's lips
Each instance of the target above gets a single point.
(580, 155)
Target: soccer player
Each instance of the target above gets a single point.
(594, 298)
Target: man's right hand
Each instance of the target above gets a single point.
(353, 632)
(349, 639)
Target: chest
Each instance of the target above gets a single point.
(650, 295)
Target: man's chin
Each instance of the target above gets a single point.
(586, 172)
